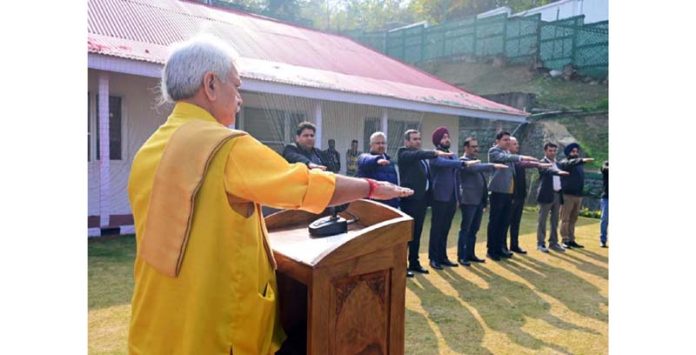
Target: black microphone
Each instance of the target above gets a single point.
(330, 225)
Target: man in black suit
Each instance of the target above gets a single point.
(519, 195)
(474, 198)
(550, 198)
(303, 151)
(414, 173)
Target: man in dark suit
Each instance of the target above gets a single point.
(550, 198)
(572, 186)
(303, 151)
(414, 172)
(333, 157)
(445, 173)
(474, 198)
(502, 187)
(519, 195)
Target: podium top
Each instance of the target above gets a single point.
(378, 227)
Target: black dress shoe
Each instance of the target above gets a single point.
(419, 269)
(477, 260)
(409, 273)
(493, 257)
(575, 245)
(518, 250)
(464, 262)
(435, 265)
(449, 263)
(505, 253)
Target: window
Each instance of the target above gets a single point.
(371, 126)
(274, 128)
(115, 134)
(89, 131)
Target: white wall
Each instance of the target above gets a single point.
(140, 117)
(594, 10)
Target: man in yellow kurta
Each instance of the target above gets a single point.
(204, 272)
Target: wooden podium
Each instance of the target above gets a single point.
(342, 294)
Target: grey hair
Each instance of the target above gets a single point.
(190, 60)
(377, 134)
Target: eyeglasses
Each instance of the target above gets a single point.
(473, 146)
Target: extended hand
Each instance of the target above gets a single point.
(563, 173)
(500, 166)
(530, 158)
(587, 160)
(387, 191)
(471, 162)
(544, 165)
(383, 162)
(316, 166)
(440, 153)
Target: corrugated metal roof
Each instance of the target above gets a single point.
(271, 51)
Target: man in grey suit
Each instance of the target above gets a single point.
(474, 198)
(502, 186)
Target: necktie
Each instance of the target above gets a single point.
(426, 166)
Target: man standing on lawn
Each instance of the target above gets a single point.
(204, 272)
(519, 196)
(446, 196)
(572, 186)
(605, 205)
(502, 187)
(550, 198)
(414, 170)
(474, 198)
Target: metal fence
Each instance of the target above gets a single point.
(518, 39)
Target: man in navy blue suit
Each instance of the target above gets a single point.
(446, 197)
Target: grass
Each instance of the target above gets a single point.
(537, 303)
(485, 79)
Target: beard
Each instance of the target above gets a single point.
(445, 145)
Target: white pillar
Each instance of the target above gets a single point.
(318, 123)
(385, 123)
(104, 154)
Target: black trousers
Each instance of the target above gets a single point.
(471, 221)
(498, 221)
(515, 218)
(416, 209)
(443, 212)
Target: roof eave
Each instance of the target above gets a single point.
(153, 70)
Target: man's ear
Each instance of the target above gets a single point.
(209, 86)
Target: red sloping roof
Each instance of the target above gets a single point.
(270, 50)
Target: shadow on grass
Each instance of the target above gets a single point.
(110, 271)
(593, 255)
(574, 292)
(506, 305)
(458, 327)
(583, 265)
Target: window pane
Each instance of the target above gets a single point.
(114, 127)
(264, 125)
(89, 132)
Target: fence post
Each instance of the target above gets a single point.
(475, 35)
(504, 36)
(422, 46)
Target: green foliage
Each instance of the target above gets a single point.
(586, 212)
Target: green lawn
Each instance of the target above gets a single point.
(537, 303)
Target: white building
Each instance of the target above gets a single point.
(289, 74)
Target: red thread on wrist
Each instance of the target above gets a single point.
(373, 187)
